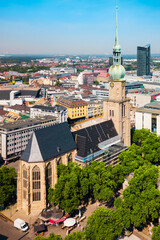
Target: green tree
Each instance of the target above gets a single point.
(150, 148)
(51, 237)
(140, 135)
(131, 159)
(156, 233)
(103, 224)
(76, 236)
(142, 197)
(101, 179)
(7, 184)
(58, 83)
(71, 188)
(96, 82)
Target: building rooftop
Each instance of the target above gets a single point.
(19, 108)
(70, 102)
(50, 108)
(88, 139)
(24, 123)
(5, 92)
(152, 107)
(48, 143)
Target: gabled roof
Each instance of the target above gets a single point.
(48, 143)
(87, 139)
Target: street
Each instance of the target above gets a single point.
(9, 232)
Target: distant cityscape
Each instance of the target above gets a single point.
(80, 146)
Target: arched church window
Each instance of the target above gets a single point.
(59, 161)
(70, 157)
(36, 183)
(24, 182)
(49, 175)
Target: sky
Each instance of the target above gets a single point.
(77, 26)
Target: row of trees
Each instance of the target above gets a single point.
(77, 186)
(22, 69)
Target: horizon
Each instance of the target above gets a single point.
(81, 27)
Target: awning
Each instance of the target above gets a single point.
(52, 221)
(61, 220)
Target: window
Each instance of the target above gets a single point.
(59, 161)
(123, 110)
(36, 183)
(49, 175)
(154, 124)
(24, 182)
(112, 113)
(70, 157)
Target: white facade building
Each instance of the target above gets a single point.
(57, 111)
(148, 117)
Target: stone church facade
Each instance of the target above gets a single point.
(37, 171)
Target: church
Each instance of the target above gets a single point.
(55, 145)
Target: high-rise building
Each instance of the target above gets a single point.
(117, 106)
(143, 60)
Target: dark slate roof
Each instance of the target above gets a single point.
(50, 108)
(33, 93)
(5, 94)
(87, 139)
(49, 142)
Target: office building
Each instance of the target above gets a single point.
(143, 60)
(14, 136)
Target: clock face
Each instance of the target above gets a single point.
(112, 84)
(123, 84)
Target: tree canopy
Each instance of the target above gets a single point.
(104, 224)
(156, 233)
(75, 185)
(141, 199)
(7, 184)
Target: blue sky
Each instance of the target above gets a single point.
(77, 26)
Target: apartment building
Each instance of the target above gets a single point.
(95, 109)
(76, 109)
(57, 111)
(14, 136)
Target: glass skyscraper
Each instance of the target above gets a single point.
(143, 60)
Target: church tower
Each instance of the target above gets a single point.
(117, 106)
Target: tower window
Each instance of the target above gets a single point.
(123, 110)
(112, 113)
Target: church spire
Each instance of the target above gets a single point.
(116, 71)
(116, 38)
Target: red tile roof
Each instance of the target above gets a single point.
(69, 103)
